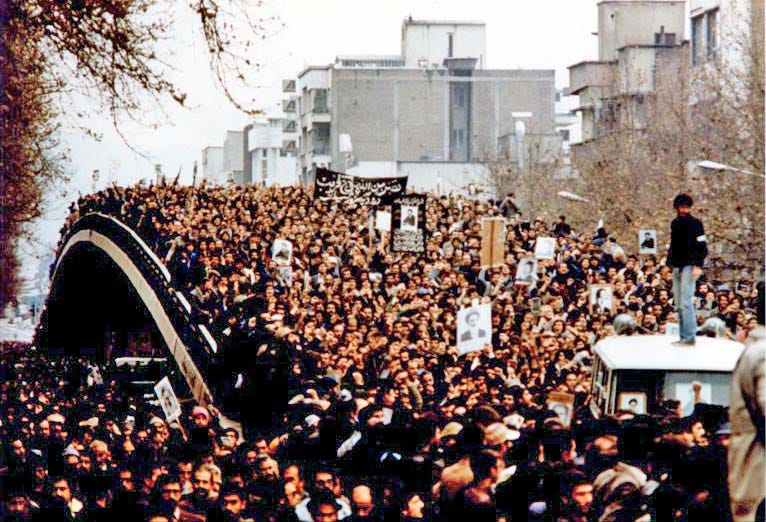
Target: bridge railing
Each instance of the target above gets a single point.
(200, 344)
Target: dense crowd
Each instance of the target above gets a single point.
(356, 401)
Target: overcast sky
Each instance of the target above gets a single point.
(546, 34)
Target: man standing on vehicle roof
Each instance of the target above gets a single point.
(688, 249)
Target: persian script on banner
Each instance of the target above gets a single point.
(409, 224)
(334, 186)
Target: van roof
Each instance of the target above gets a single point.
(656, 352)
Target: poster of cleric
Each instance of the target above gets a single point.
(408, 226)
(474, 328)
(353, 190)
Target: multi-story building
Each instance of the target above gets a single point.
(636, 40)
(313, 117)
(233, 160)
(270, 153)
(435, 112)
(212, 165)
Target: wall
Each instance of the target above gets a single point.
(233, 145)
(634, 23)
(403, 115)
(440, 177)
(212, 165)
(636, 70)
(430, 42)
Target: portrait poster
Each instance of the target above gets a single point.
(168, 400)
(408, 224)
(545, 247)
(492, 242)
(634, 402)
(383, 221)
(562, 404)
(286, 276)
(600, 299)
(673, 329)
(647, 241)
(282, 252)
(474, 328)
(526, 271)
(409, 219)
(337, 187)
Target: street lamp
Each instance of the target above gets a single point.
(572, 196)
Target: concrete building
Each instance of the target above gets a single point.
(270, 152)
(212, 165)
(425, 43)
(233, 159)
(434, 112)
(313, 117)
(636, 39)
(727, 31)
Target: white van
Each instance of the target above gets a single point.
(638, 372)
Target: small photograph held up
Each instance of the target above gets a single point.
(647, 241)
(600, 299)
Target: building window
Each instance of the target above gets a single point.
(264, 167)
(459, 97)
(705, 37)
(711, 26)
(320, 100)
(698, 33)
(458, 138)
(564, 133)
(450, 44)
(668, 39)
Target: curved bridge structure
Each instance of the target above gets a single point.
(107, 278)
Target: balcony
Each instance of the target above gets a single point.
(590, 74)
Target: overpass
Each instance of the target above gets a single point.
(107, 279)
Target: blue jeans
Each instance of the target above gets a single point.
(683, 294)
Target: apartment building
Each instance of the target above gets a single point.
(637, 41)
(435, 112)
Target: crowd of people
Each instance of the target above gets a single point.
(356, 401)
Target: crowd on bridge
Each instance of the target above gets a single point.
(356, 401)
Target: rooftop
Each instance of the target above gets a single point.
(656, 352)
(411, 21)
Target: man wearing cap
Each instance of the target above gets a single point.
(687, 253)
(17, 506)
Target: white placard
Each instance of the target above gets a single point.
(526, 271)
(383, 220)
(673, 329)
(168, 400)
(474, 328)
(545, 247)
(282, 252)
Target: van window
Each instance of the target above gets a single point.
(714, 389)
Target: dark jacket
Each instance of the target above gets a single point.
(688, 246)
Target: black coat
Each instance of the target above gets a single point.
(688, 245)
